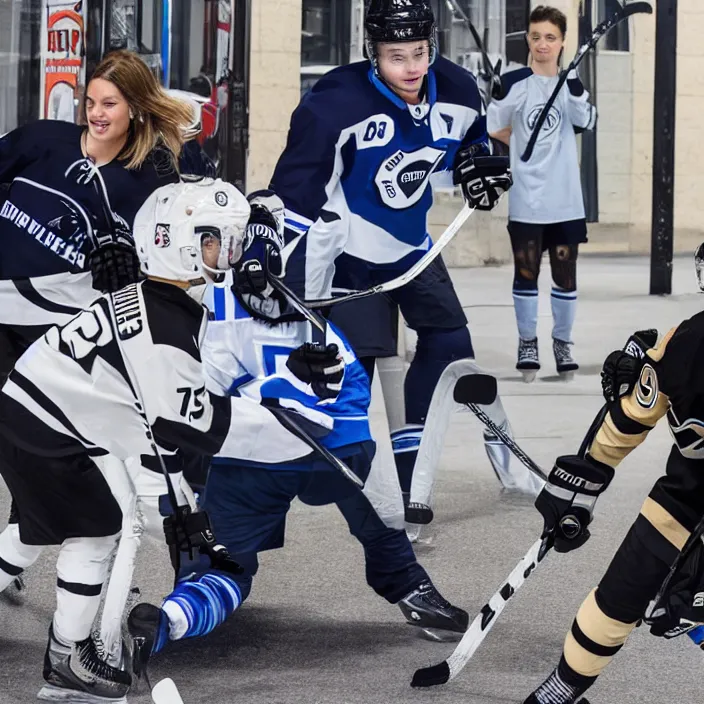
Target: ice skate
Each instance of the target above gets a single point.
(555, 690)
(16, 592)
(566, 366)
(76, 674)
(148, 626)
(438, 618)
(528, 361)
(532, 700)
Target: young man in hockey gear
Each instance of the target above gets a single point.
(641, 384)
(546, 208)
(259, 347)
(123, 377)
(355, 178)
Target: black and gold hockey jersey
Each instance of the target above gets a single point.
(671, 383)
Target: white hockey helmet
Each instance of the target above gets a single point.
(179, 221)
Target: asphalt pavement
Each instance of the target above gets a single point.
(313, 632)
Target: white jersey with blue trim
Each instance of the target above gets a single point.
(547, 188)
(247, 358)
(356, 172)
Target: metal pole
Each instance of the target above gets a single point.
(589, 167)
(664, 147)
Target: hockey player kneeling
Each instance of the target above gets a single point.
(121, 377)
(260, 348)
(641, 384)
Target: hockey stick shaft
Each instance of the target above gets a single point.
(599, 31)
(421, 265)
(508, 441)
(476, 633)
(295, 429)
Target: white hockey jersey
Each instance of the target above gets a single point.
(246, 357)
(547, 188)
(91, 384)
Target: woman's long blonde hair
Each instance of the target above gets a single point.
(158, 118)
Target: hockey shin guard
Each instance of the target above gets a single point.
(525, 305)
(81, 569)
(564, 310)
(15, 556)
(196, 608)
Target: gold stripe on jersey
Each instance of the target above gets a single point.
(665, 523)
(599, 634)
(625, 427)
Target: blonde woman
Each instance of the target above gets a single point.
(65, 222)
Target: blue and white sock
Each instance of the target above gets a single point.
(564, 309)
(525, 304)
(405, 443)
(195, 608)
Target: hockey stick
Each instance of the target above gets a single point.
(483, 622)
(464, 395)
(600, 30)
(481, 389)
(295, 429)
(420, 266)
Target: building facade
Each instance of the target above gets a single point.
(249, 61)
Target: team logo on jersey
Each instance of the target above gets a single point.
(221, 198)
(688, 436)
(552, 121)
(402, 178)
(647, 387)
(162, 236)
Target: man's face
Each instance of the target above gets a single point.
(403, 65)
(545, 42)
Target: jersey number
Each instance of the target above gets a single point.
(85, 332)
(192, 405)
(373, 131)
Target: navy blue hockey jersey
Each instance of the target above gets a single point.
(47, 216)
(355, 176)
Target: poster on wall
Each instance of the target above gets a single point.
(62, 65)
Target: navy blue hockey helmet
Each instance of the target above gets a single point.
(399, 21)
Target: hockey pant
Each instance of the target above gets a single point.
(60, 501)
(609, 614)
(248, 506)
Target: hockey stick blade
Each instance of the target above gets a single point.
(419, 514)
(446, 670)
(166, 692)
(479, 389)
(637, 8)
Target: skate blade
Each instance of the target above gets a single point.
(438, 635)
(413, 532)
(529, 375)
(51, 693)
(567, 376)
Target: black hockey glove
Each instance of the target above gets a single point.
(567, 500)
(321, 367)
(622, 367)
(484, 179)
(261, 254)
(682, 605)
(190, 532)
(113, 262)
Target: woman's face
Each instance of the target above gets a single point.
(403, 66)
(545, 42)
(107, 111)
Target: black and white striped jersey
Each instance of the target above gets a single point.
(90, 385)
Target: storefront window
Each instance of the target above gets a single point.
(19, 62)
(517, 14)
(325, 39)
